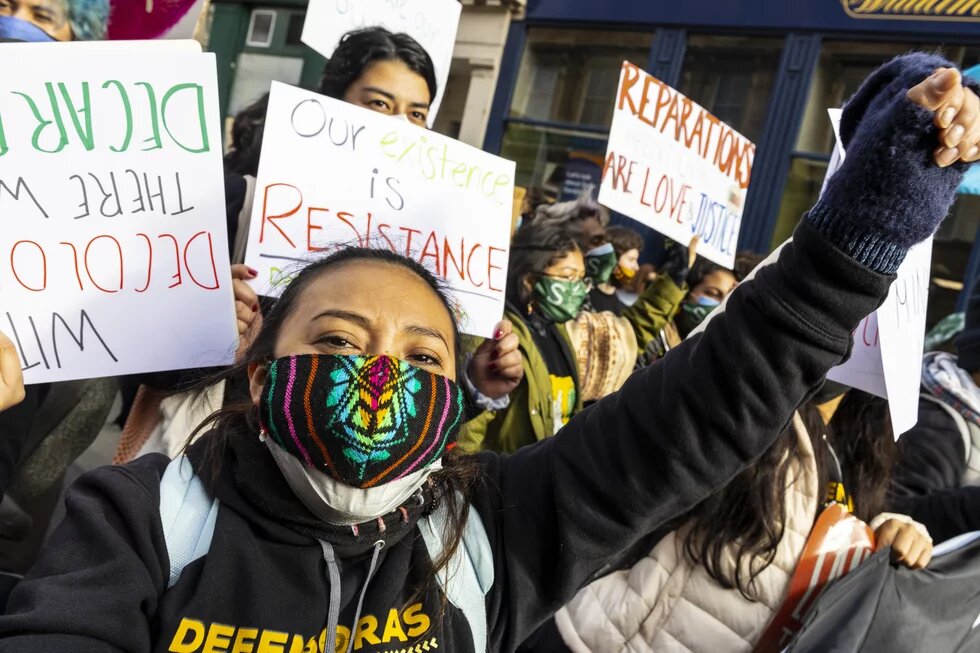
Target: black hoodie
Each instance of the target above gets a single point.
(554, 512)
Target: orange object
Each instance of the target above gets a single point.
(838, 543)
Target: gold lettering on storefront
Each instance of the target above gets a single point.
(950, 10)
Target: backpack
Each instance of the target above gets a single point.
(189, 514)
(970, 433)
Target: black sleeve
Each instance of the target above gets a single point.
(945, 513)
(675, 433)
(97, 582)
(931, 457)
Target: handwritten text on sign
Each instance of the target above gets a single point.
(113, 253)
(333, 175)
(433, 23)
(675, 167)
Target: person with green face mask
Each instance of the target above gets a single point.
(548, 284)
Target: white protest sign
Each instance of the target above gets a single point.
(333, 174)
(902, 322)
(433, 23)
(674, 167)
(113, 245)
(886, 360)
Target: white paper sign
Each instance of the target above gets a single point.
(113, 245)
(433, 23)
(902, 322)
(888, 344)
(674, 167)
(332, 174)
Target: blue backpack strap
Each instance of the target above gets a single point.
(468, 576)
(188, 515)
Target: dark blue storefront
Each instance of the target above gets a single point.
(770, 68)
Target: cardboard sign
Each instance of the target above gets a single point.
(333, 174)
(433, 23)
(886, 360)
(838, 543)
(113, 247)
(674, 167)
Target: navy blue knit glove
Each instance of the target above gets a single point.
(889, 194)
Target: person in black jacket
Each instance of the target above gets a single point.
(324, 479)
(942, 451)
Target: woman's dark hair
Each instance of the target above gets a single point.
(453, 483)
(360, 48)
(861, 434)
(748, 515)
(623, 239)
(534, 248)
(246, 138)
(703, 267)
(745, 262)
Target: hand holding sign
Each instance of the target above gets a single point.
(497, 366)
(11, 376)
(957, 111)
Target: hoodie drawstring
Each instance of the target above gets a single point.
(367, 581)
(333, 609)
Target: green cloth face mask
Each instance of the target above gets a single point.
(560, 300)
(600, 263)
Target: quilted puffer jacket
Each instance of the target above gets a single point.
(665, 602)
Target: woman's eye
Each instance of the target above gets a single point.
(379, 104)
(419, 116)
(336, 342)
(425, 360)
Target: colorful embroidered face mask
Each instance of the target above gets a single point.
(600, 262)
(364, 420)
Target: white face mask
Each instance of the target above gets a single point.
(341, 504)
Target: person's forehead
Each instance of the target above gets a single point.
(376, 286)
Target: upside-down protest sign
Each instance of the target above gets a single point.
(675, 167)
(333, 174)
(113, 245)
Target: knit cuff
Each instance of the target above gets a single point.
(871, 250)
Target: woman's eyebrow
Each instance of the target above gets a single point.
(375, 89)
(350, 316)
(428, 332)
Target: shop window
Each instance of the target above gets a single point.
(544, 156)
(294, 29)
(840, 71)
(255, 73)
(261, 28)
(570, 76)
(732, 77)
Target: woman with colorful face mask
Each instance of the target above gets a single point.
(276, 532)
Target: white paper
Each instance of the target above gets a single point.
(433, 23)
(674, 167)
(902, 321)
(341, 175)
(888, 344)
(113, 245)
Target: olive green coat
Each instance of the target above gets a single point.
(529, 417)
